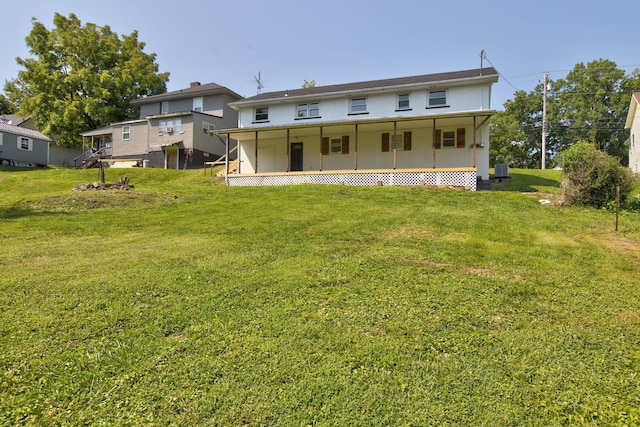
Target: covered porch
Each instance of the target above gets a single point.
(448, 150)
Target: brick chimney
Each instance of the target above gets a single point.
(194, 84)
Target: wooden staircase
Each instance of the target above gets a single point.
(88, 159)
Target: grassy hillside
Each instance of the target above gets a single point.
(185, 302)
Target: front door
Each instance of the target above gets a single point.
(295, 164)
(172, 159)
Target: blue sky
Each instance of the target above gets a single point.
(341, 41)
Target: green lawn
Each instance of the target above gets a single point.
(184, 302)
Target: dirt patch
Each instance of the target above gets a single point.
(480, 271)
(617, 242)
(88, 200)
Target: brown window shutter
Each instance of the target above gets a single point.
(460, 143)
(438, 142)
(385, 142)
(325, 145)
(407, 141)
(345, 144)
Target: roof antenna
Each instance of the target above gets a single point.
(259, 81)
(481, 58)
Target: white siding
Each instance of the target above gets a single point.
(379, 105)
(634, 143)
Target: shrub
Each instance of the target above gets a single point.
(590, 177)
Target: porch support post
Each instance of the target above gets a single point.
(395, 151)
(355, 154)
(433, 146)
(226, 163)
(256, 154)
(288, 144)
(475, 129)
(474, 141)
(321, 156)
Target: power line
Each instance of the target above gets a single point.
(499, 73)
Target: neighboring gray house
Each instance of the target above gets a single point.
(23, 147)
(58, 155)
(175, 129)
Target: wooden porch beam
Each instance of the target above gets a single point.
(321, 156)
(355, 153)
(256, 168)
(395, 150)
(433, 145)
(288, 143)
(474, 141)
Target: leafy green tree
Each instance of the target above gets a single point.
(5, 105)
(593, 101)
(308, 84)
(591, 104)
(82, 77)
(518, 131)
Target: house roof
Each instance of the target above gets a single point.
(425, 80)
(635, 100)
(11, 119)
(17, 130)
(196, 89)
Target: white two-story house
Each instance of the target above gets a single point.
(422, 130)
(633, 124)
(175, 129)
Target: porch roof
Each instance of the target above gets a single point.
(248, 133)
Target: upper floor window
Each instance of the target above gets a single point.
(170, 126)
(304, 111)
(1, 136)
(197, 104)
(126, 132)
(438, 98)
(403, 101)
(358, 106)
(262, 114)
(25, 143)
(164, 107)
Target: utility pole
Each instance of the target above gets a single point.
(544, 122)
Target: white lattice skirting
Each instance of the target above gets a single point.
(433, 177)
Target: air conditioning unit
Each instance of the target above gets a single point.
(169, 130)
(502, 170)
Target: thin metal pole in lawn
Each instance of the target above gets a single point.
(617, 204)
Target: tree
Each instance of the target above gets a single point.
(5, 105)
(518, 131)
(308, 84)
(591, 104)
(82, 77)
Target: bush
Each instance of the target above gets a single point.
(590, 177)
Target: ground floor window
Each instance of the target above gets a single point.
(335, 145)
(450, 138)
(25, 143)
(399, 142)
